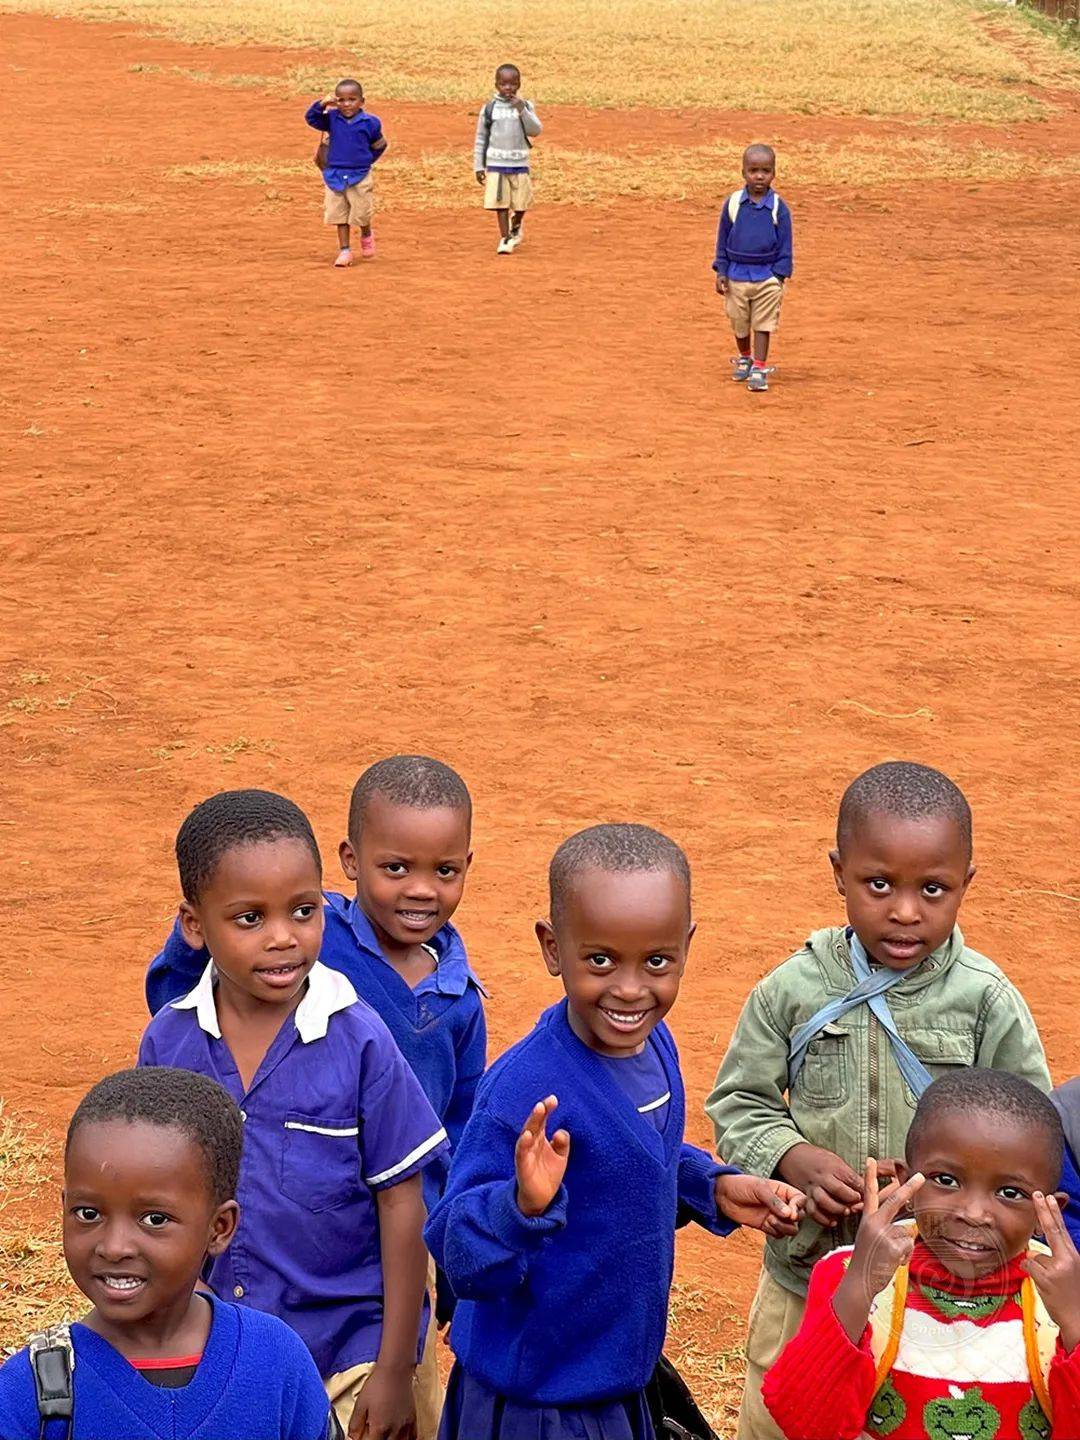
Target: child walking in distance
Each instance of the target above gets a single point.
(957, 1324)
(355, 143)
(505, 129)
(560, 1248)
(150, 1183)
(407, 852)
(834, 1047)
(753, 260)
(336, 1127)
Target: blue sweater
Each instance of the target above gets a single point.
(353, 143)
(753, 248)
(255, 1380)
(569, 1307)
(439, 1027)
(1066, 1100)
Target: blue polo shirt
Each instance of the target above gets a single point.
(333, 1115)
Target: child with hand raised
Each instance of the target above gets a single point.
(560, 1250)
(955, 1323)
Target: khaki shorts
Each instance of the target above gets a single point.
(754, 304)
(354, 206)
(427, 1387)
(775, 1316)
(508, 192)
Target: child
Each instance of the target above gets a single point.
(505, 129)
(337, 1127)
(560, 1250)
(356, 142)
(957, 1325)
(1066, 1100)
(822, 1070)
(753, 259)
(150, 1174)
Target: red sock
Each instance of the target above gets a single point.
(760, 364)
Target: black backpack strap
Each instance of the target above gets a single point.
(52, 1361)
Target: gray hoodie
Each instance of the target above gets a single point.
(504, 148)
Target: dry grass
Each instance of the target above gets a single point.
(703, 174)
(715, 1376)
(35, 1289)
(930, 58)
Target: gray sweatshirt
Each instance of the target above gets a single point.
(505, 147)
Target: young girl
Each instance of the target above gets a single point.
(560, 1249)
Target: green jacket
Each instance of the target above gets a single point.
(955, 1008)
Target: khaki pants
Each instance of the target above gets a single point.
(775, 1316)
(427, 1389)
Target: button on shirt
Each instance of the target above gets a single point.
(333, 1115)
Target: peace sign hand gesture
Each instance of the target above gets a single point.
(540, 1163)
(881, 1247)
(1057, 1275)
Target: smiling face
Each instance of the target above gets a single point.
(139, 1220)
(619, 946)
(350, 100)
(903, 882)
(409, 865)
(260, 915)
(975, 1212)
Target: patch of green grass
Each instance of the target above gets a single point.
(35, 1288)
(1065, 33)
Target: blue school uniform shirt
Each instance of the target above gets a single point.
(352, 152)
(644, 1080)
(754, 248)
(255, 1380)
(439, 1027)
(333, 1115)
(569, 1307)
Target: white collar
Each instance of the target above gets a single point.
(328, 991)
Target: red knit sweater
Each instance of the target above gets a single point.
(960, 1372)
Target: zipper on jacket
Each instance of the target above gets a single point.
(873, 1117)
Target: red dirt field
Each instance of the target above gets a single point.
(265, 522)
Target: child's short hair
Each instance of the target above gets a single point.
(626, 848)
(232, 818)
(508, 66)
(180, 1099)
(349, 81)
(903, 789)
(989, 1092)
(413, 780)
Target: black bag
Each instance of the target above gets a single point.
(322, 152)
(674, 1411)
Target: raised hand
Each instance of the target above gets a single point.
(881, 1247)
(767, 1205)
(831, 1186)
(540, 1163)
(1057, 1275)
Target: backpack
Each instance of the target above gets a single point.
(672, 1408)
(489, 120)
(1040, 1332)
(735, 200)
(52, 1361)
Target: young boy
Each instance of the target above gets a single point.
(957, 1325)
(505, 129)
(561, 1250)
(150, 1180)
(823, 1070)
(753, 260)
(337, 1128)
(356, 142)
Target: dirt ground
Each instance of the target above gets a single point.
(265, 521)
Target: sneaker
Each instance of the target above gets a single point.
(506, 247)
(367, 246)
(344, 258)
(515, 238)
(759, 377)
(741, 367)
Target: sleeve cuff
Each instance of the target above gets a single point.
(524, 1232)
(697, 1190)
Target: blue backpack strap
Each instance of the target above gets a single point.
(52, 1362)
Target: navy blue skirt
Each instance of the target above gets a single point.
(473, 1412)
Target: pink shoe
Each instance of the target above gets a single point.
(367, 246)
(344, 258)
